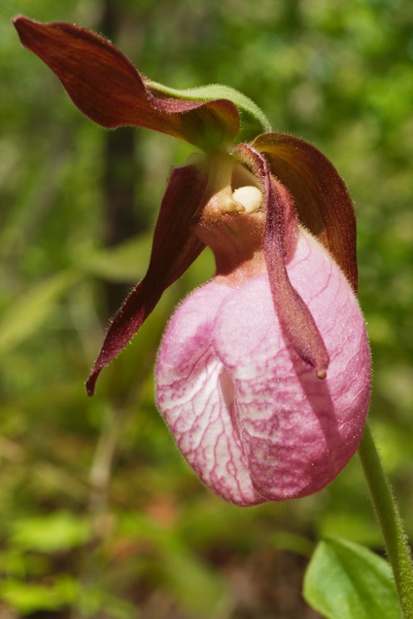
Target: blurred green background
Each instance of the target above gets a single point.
(99, 515)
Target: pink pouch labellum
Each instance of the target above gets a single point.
(194, 394)
(250, 416)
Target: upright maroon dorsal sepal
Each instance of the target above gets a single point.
(105, 86)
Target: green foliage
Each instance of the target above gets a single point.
(345, 580)
(27, 598)
(24, 316)
(124, 263)
(47, 534)
(100, 516)
(198, 589)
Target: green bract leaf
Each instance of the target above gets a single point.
(253, 119)
(348, 581)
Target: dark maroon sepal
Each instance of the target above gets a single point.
(105, 86)
(174, 249)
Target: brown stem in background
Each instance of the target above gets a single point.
(122, 174)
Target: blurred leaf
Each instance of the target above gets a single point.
(293, 542)
(23, 317)
(93, 601)
(57, 532)
(353, 524)
(197, 588)
(27, 598)
(13, 562)
(127, 262)
(345, 581)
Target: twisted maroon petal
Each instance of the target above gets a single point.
(323, 203)
(174, 249)
(105, 86)
(295, 318)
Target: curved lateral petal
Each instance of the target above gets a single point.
(105, 86)
(174, 249)
(295, 318)
(321, 197)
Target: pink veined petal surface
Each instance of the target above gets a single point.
(194, 394)
(248, 414)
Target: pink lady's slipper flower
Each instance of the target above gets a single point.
(263, 375)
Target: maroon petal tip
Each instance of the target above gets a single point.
(91, 382)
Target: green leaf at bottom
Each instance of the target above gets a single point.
(347, 581)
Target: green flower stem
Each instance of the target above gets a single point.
(391, 524)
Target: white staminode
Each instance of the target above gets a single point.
(249, 196)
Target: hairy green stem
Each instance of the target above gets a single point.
(391, 524)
